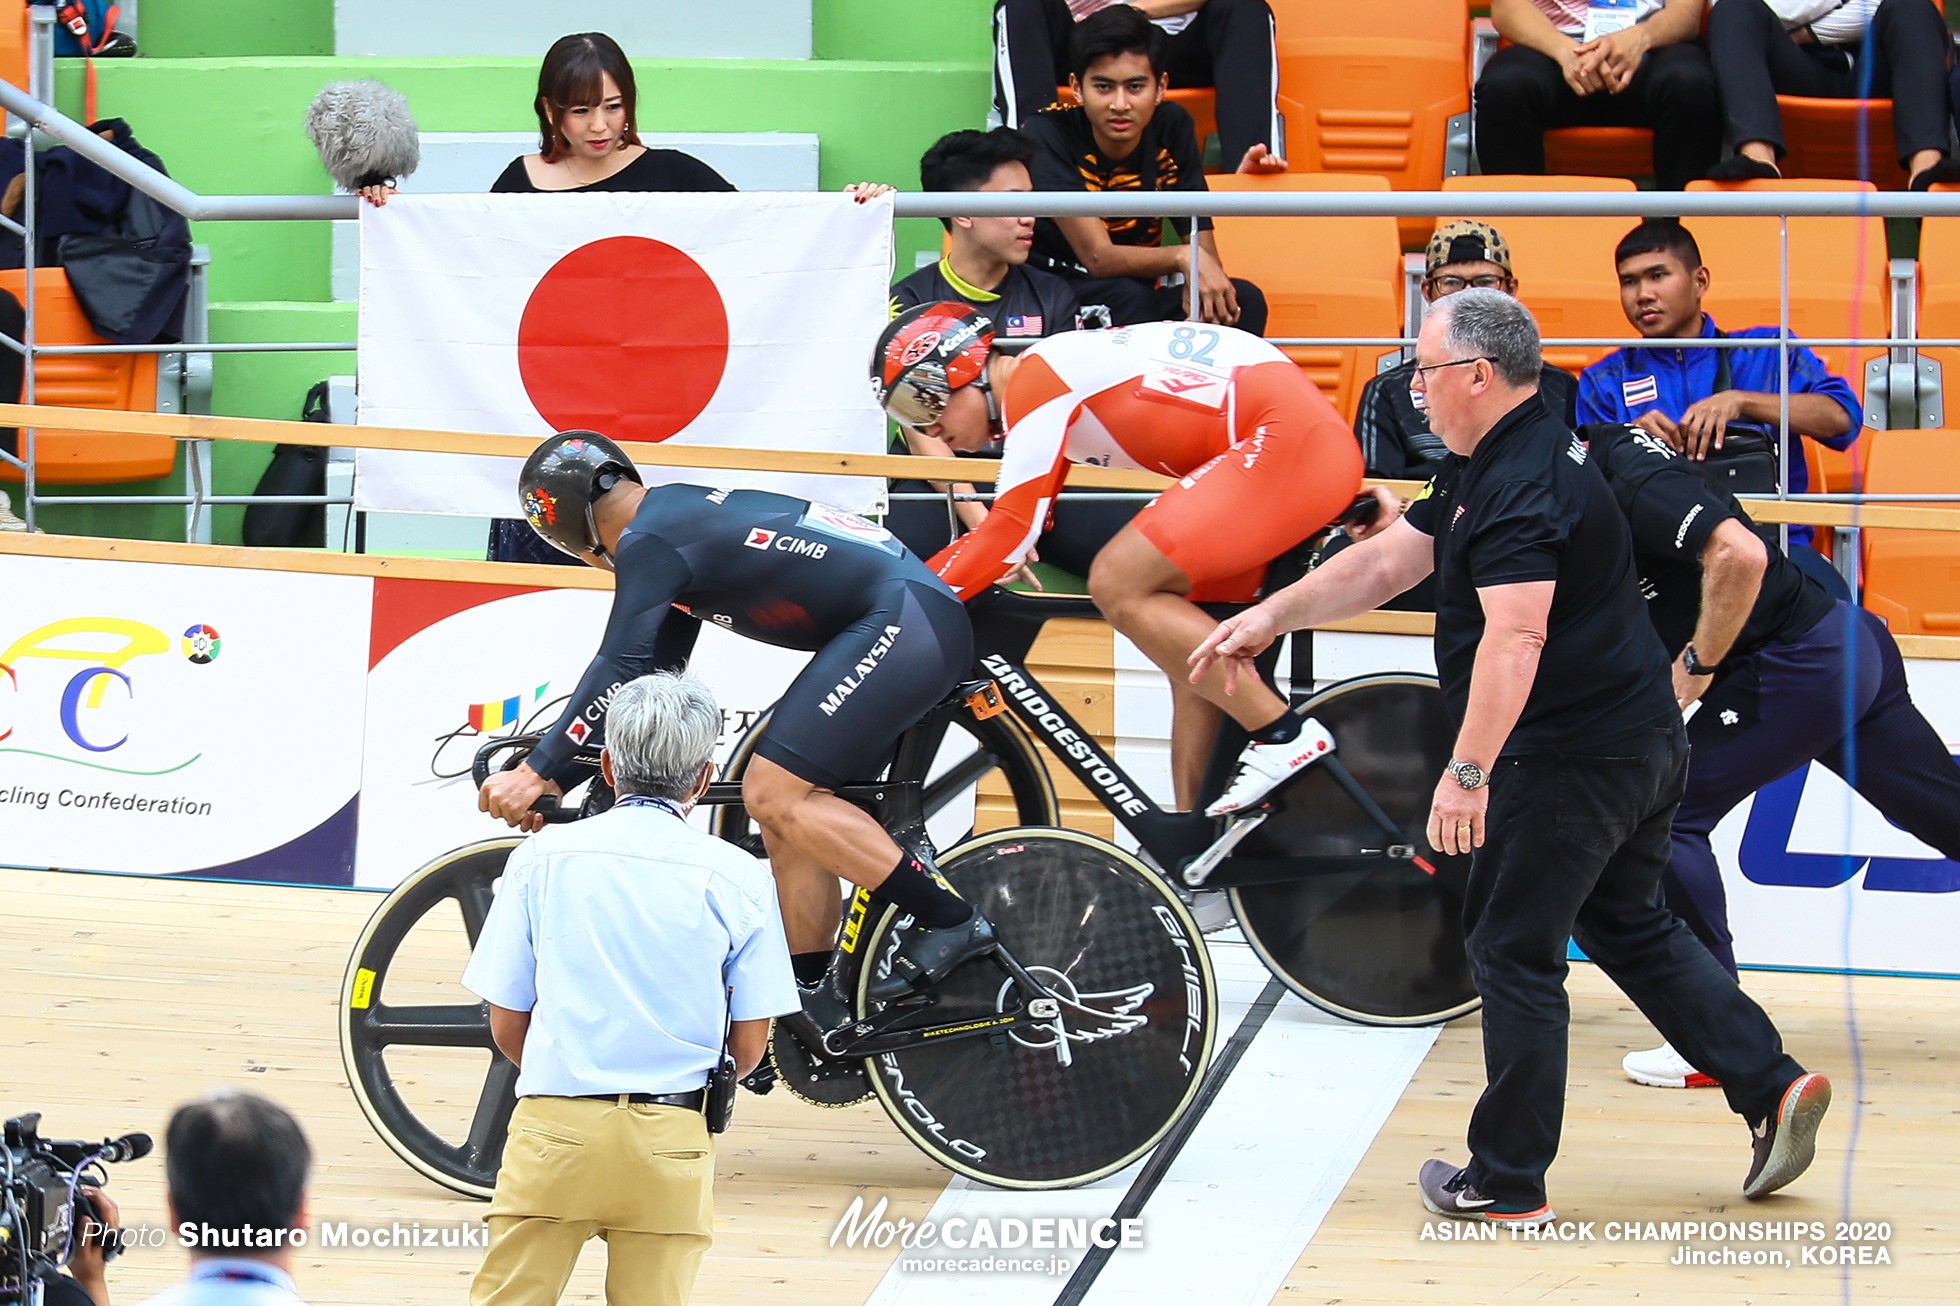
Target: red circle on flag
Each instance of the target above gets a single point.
(625, 336)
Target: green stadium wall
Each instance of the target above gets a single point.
(223, 85)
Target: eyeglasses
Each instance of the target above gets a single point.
(1450, 285)
(1419, 379)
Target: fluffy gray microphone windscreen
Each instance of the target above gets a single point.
(364, 133)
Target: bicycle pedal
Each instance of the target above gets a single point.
(760, 1080)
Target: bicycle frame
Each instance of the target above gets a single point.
(1005, 626)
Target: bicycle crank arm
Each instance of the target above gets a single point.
(1207, 861)
(871, 1037)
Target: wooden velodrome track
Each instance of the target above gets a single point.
(128, 995)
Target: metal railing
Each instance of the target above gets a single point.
(42, 121)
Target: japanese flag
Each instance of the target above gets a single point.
(731, 320)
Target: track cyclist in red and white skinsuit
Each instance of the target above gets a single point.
(1262, 458)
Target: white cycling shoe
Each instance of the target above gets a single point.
(1263, 766)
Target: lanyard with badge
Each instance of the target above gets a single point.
(666, 805)
(718, 1102)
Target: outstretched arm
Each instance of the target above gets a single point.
(1355, 580)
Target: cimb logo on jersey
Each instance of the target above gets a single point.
(761, 539)
(585, 722)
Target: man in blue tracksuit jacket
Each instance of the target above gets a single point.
(1675, 394)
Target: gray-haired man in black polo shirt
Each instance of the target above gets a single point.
(1569, 762)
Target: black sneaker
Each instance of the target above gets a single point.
(926, 956)
(1785, 1143)
(1446, 1190)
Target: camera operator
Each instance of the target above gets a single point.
(85, 1278)
(236, 1166)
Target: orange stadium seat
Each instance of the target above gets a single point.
(127, 382)
(1377, 85)
(1321, 276)
(13, 42)
(1564, 266)
(1837, 273)
(1822, 137)
(1912, 578)
(1600, 151)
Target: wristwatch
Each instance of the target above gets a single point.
(1693, 665)
(1468, 774)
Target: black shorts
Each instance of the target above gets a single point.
(838, 721)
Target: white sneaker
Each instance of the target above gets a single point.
(9, 522)
(1263, 766)
(1663, 1067)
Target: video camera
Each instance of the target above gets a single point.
(44, 1203)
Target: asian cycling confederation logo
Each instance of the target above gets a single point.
(92, 708)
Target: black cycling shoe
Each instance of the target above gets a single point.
(823, 1010)
(926, 956)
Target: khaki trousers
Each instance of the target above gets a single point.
(641, 1177)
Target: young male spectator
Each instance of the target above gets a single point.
(987, 265)
(1396, 441)
(614, 956)
(1555, 73)
(1123, 137)
(1569, 762)
(236, 1166)
(987, 268)
(1690, 397)
(1759, 55)
(1227, 44)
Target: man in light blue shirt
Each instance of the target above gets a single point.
(236, 1167)
(615, 955)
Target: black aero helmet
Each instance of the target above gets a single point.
(561, 481)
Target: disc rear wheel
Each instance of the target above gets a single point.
(1055, 1105)
(1381, 944)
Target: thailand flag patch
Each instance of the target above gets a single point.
(1640, 390)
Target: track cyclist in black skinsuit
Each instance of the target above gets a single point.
(890, 641)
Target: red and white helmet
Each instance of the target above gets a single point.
(924, 355)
